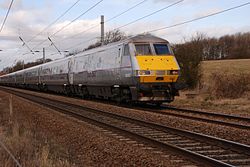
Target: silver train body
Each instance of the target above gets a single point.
(141, 68)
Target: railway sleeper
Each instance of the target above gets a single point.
(226, 156)
(213, 152)
(237, 162)
(188, 144)
(199, 148)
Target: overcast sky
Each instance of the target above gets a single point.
(29, 17)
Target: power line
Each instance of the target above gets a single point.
(77, 18)
(89, 9)
(112, 18)
(6, 15)
(173, 4)
(185, 22)
(164, 8)
(63, 14)
(80, 43)
(199, 18)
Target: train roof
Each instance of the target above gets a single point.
(147, 38)
(141, 38)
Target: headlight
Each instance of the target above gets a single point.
(174, 72)
(144, 72)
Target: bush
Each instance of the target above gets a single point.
(189, 56)
(229, 86)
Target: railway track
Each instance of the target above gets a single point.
(196, 115)
(202, 116)
(206, 150)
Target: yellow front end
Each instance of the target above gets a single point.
(157, 69)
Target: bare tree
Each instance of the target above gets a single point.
(114, 36)
(110, 37)
(189, 55)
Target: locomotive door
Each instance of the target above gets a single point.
(70, 71)
(118, 62)
(39, 75)
(126, 65)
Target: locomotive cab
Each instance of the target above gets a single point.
(155, 71)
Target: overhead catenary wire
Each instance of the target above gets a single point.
(153, 13)
(192, 20)
(63, 14)
(62, 28)
(114, 17)
(188, 21)
(6, 16)
(80, 43)
(108, 20)
(97, 25)
(89, 9)
(52, 23)
(199, 18)
(164, 8)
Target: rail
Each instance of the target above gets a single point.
(198, 147)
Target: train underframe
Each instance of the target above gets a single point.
(145, 93)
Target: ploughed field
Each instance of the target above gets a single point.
(76, 142)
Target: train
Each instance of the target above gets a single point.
(142, 68)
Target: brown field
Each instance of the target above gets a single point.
(238, 66)
(204, 98)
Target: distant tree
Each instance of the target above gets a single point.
(241, 49)
(19, 65)
(73, 53)
(228, 47)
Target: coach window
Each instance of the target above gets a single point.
(143, 49)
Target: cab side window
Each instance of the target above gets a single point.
(126, 50)
(126, 62)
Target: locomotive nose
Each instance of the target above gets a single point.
(157, 69)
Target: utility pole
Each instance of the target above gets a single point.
(43, 55)
(102, 29)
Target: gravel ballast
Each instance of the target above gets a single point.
(87, 144)
(229, 133)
